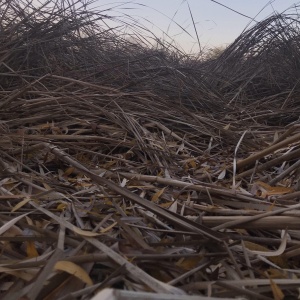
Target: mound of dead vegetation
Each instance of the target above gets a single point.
(257, 74)
(130, 170)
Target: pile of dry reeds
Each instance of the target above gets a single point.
(140, 169)
(258, 74)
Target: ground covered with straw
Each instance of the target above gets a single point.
(135, 170)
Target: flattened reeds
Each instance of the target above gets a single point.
(116, 155)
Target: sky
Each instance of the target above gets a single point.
(216, 25)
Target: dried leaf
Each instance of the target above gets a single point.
(156, 196)
(31, 250)
(263, 190)
(276, 273)
(188, 263)
(61, 206)
(277, 292)
(74, 270)
(68, 171)
(20, 204)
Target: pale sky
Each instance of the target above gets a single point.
(216, 25)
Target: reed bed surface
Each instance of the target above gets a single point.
(131, 169)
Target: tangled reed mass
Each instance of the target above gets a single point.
(116, 155)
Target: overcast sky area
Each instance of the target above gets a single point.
(215, 24)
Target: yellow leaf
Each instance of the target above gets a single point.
(277, 292)
(188, 263)
(276, 274)
(69, 171)
(166, 205)
(192, 163)
(44, 126)
(61, 206)
(31, 250)
(20, 204)
(156, 196)
(268, 190)
(74, 270)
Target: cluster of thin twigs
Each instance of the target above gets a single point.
(140, 169)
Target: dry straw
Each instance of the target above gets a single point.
(118, 158)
